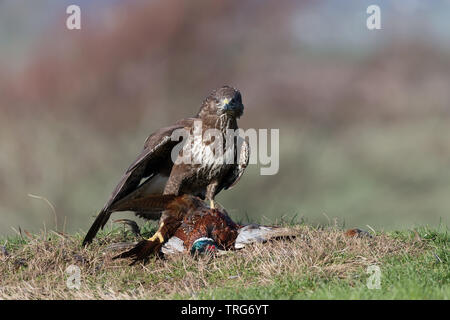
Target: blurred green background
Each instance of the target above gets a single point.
(363, 115)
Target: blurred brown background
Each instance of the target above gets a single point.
(363, 115)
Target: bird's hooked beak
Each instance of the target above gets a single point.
(233, 108)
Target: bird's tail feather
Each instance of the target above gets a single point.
(99, 222)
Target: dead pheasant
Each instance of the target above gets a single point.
(188, 223)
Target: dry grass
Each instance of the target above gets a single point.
(36, 269)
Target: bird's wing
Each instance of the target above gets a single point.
(156, 153)
(146, 207)
(173, 245)
(243, 156)
(157, 149)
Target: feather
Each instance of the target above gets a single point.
(255, 233)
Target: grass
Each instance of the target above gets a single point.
(321, 263)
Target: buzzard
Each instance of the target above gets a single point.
(155, 172)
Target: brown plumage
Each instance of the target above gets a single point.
(154, 172)
(189, 219)
(204, 222)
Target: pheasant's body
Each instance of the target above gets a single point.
(252, 233)
(208, 223)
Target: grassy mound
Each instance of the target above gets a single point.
(322, 263)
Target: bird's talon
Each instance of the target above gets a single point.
(158, 236)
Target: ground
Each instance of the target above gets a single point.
(321, 263)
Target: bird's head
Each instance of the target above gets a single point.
(204, 246)
(223, 101)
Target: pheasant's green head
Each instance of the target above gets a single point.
(204, 246)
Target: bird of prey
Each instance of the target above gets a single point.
(155, 173)
(187, 222)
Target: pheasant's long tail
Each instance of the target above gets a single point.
(141, 251)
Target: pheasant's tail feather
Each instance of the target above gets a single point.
(132, 224)
(141, 251)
